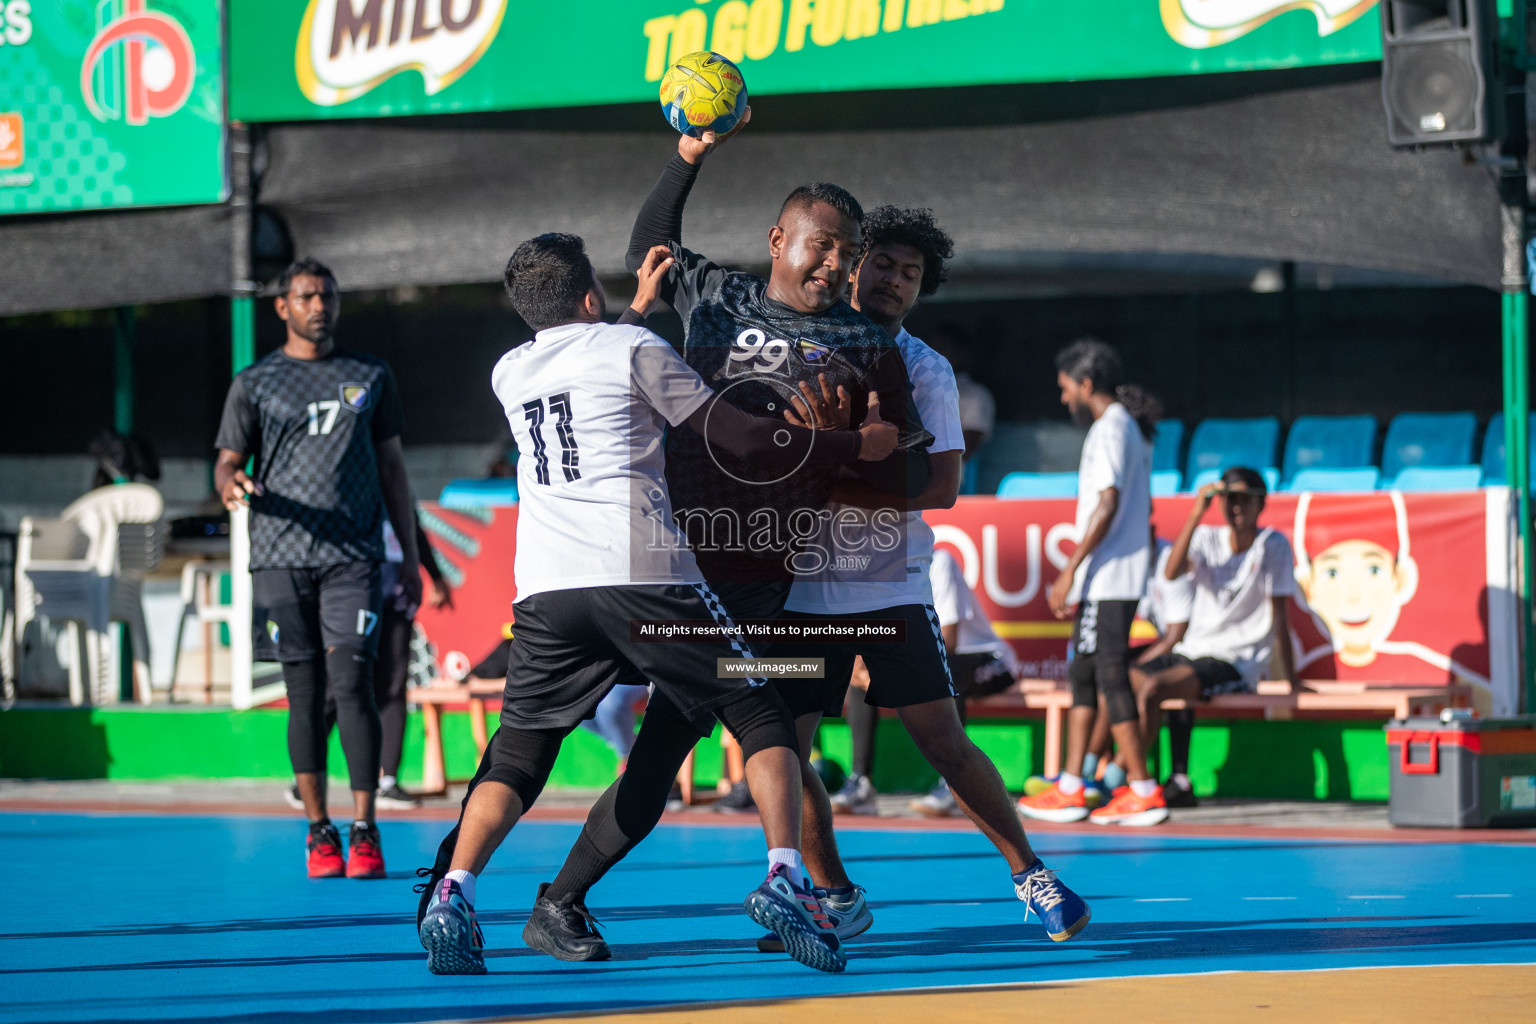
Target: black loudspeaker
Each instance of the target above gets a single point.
(1439, 71)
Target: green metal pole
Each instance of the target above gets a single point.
(1514, 201)
(122, 358)
(1517, 427)
(242, 331)
(123, 330)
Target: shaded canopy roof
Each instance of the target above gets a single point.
(1271, 166)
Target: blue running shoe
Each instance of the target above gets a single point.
(450, 934)
(798, 919)
(1061, 910)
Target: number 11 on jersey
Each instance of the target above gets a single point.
(570, 458)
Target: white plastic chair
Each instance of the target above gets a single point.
(199, 599)
(86, 568)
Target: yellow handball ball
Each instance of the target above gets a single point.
(704, 92)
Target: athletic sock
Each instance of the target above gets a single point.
(319, 826)
(360, 823)
(466, 880)
(1181, 780)
(1090, 766)
(583, 861)
(1069, 783)
(791, 860)
(1114, 777)
(388, 782)
(1143, 787)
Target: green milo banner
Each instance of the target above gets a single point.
(303, 59)
(110, 103)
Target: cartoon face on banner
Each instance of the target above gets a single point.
(1395, 587)
(1354, 569)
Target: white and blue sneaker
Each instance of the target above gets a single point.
(450, 933)
(1061, 910)
(797, 917)
(846, 907)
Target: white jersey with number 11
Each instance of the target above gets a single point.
(588, 405)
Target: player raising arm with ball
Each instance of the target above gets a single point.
(597, 550)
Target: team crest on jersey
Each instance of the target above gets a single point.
(272, 630)
(355, 396)
(814, 353)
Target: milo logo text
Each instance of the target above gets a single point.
(348, 47)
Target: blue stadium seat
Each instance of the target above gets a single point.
(1494, 469)
(1438, 478)
(1166, 442)
(1270, 473)
(1427, 439)
(1038, 485)
(1166, 482)
(1219, 444)
(470, 493)
(1360, 478)
(1328, 442)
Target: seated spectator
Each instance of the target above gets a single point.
(980, 664)
(1243, 579)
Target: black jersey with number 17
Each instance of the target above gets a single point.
(311, 427)
(743, 521)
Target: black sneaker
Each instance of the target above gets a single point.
(1175, 795)
(564, 928)
(397, 799)
(738, 799)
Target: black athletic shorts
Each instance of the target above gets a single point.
(1102, 629)
(299, 614)
(1215, 676)
(570, 647)
(743, 599)
(900, 674)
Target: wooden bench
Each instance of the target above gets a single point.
(1274, 700)
(434, 776)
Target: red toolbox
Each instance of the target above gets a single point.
(1463, 772)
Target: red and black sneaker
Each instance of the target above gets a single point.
(324, 849)
(365, 854)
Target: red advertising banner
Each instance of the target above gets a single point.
(1404, 588)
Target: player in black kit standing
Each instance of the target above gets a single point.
(323, 426)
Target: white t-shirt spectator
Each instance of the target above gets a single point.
(1115, 455)
(1232, 618)
(1168, 602)
(956, 605)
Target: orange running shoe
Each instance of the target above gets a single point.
(1054, 805)
(1126, 808)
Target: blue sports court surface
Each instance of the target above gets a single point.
(211, 918)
